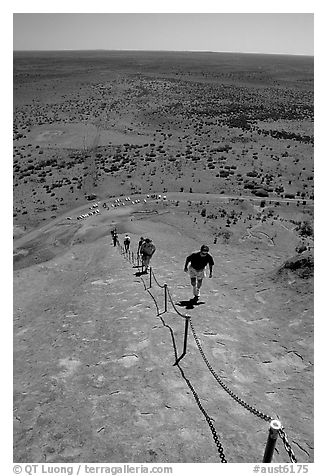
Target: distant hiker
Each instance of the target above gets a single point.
(127, 242)
(115, 238)
(139, 246)
(146, 251)
(198, 261)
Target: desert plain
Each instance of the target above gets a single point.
(185, 148)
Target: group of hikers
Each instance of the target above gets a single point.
(145, 249)
(195, 263)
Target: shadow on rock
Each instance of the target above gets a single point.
(140, 273)
(189, 304)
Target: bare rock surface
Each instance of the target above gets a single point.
(95, 379)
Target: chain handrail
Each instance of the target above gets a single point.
(154, 300)
(196, 397)
(208, 419)
(239, 400)
(175, 308)
(223, 385)
(154, 277)
(287, 445)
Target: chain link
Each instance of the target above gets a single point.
(244, 404)
(175, 309)
(287, 446)
(154, 277)
(224, 386)
(212, 428)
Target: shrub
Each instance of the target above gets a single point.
(305, 229)
(261, 193)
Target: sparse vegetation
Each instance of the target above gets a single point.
(235, 146)
(229, 139)
(305, 229)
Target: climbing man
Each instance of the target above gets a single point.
(127, 242)
(147, 249)
(198, 261)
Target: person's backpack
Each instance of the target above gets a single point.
(127, 240)
(148, 248)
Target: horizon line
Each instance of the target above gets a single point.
(163, 51)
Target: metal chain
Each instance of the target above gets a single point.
(242, 402)
(154, 300)
(287, 446)
(212, 428)
(224, 386)
(247, 406)
(175, 309)
(154, 277)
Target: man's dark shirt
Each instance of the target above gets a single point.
(199, 262)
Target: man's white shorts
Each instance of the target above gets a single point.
(194, 273)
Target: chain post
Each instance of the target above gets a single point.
(187, 320)
(274, 428)
(150, 283)
(165, 287)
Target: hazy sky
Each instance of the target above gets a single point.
(281, 33)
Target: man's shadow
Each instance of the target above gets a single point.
(140, 273)
(189, 304)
